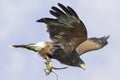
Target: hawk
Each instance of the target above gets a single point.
(69, 38)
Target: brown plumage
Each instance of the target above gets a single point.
(69, 38)
(69, 31)
(92, 44)
(43, 48)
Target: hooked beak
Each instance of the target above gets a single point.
(82, 66)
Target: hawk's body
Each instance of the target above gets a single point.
(69, 31)
(69, 36)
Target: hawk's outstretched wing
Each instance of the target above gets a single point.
(67, 29)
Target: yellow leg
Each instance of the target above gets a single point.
(46, 57)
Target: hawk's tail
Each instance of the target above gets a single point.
(34, 47)
(19, 46)
(29, 47)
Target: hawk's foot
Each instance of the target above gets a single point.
(49, 67)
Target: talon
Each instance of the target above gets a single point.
(49, 67)
(47, 71)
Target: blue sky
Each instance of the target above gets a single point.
(18, 26)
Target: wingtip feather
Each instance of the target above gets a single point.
(40, 20)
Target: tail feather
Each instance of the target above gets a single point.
(25, 47)
(37, 47)
(19, 46)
